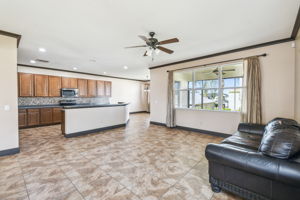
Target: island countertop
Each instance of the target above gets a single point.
(70, 106)
(93, 105)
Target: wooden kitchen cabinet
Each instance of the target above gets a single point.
(107, 85)
(69, 82)
(46, 116)
(56, 115)
(25, 85)
(100, 89)
(41, 85)
(54, 86)
(22, 118)
(33, 117)
(82, 87)
(92, 88)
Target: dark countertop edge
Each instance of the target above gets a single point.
(69, 107)
(94, 106)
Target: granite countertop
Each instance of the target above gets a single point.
(93, 105)
(71, 106)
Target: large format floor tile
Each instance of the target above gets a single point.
(138, 162)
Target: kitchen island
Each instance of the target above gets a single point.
(84, 119)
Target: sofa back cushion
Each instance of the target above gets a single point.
(280, 123)
(281, 139)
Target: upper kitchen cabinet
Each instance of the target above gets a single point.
(69, 82)
(54, 86)
(25, 85)
(107, 85)
(41, 85)
(82, 87)
(92, 88)
(100, 89)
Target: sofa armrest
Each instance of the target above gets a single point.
(254, 162)
(257, 129)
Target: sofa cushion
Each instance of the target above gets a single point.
(280, 123)
(257, 129)
(281, 141)
(244, 139)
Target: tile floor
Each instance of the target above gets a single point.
(139, 162)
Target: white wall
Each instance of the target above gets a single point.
(122, 90)
(278, 90)
(297, 79)
(9, 137)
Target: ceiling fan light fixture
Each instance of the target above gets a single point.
(157, 51)
(149, 52)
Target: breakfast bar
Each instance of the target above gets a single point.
(79, 120)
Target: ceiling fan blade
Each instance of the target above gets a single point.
(144, 38)
(145, 54)
(169, 41)
(228, 70)
(169, 51)
(136, 46)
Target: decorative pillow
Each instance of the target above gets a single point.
(280, 123)
(281, 141)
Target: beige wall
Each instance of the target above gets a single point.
(9, 137)
(297, 79)
(122, 90)
(278, 90)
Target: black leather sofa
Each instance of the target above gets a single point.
(236, 165)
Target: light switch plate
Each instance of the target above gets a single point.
(6, 107)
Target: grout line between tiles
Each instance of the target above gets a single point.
(69, 180)
(110, 175)
(23, 178)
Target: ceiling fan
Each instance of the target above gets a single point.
(216, 71)
(154, 44)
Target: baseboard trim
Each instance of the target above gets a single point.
(8, 152)
(81, 133)
(224, 135)
(136, 112)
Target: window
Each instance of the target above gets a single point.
(217, 87)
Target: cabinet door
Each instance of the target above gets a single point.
(107, 88)
(46, 116)
(92, 88)
(73, 83)
(40, 85)
(100, 89)
(82, 87)
(25, 85)
(69, 82)
(54, 86)
(22, 118)
(56, 115)
(33, 117)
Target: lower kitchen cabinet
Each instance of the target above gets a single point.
(22, 118)
(39, 117)
(46, 116)
(57, 115)
(33, 117)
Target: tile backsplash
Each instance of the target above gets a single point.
(24, 101)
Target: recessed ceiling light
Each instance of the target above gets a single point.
(125, 67)
(104, 72)
(42, 49)
(75, 68)
(32, 61)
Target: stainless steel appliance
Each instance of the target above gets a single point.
(67, 102)
(69, 92)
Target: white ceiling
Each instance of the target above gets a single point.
(76, 31)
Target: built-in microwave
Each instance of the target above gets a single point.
(69, 92)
